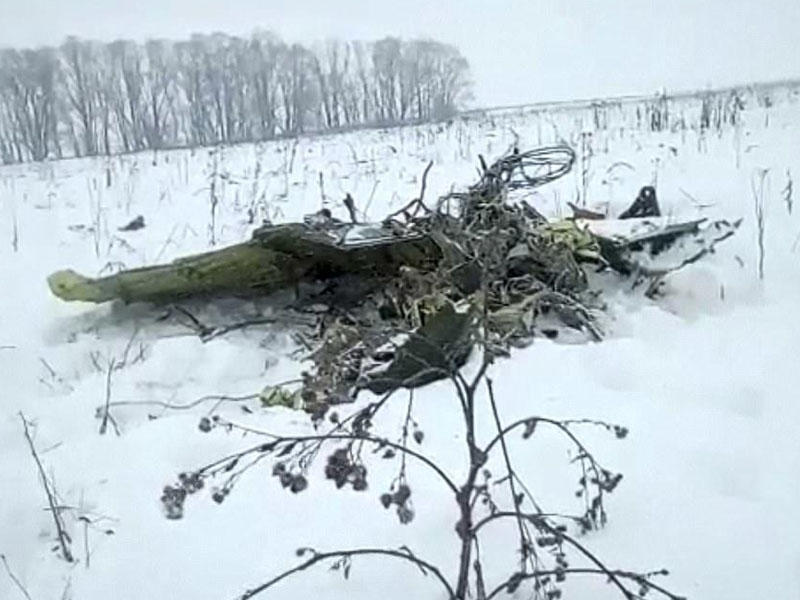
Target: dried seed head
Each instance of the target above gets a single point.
(405, 514)
(402, 494)
(299, 483)
(172, 501)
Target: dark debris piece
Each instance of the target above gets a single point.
(645, 205)
(135, 225)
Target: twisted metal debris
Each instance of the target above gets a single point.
(501, 262)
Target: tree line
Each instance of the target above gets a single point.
(87, 98)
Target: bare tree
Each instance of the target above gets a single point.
(365, 82)
(125, 89)
(124, 96)
(28, 80)
(386, 64)
(262, 68)
(296, 87)
(198, 129)
(79, 84)
(159, 119)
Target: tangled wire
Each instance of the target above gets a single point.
(529, 169)
(504, 260)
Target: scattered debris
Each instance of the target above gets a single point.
(645, 205)
(399, 303)
(135, 225)
(280, 396)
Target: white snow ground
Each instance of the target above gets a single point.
(706, 377)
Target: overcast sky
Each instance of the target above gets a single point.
(520, 50)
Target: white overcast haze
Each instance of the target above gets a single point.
(520, 51)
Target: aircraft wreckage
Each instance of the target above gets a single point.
(425, 272)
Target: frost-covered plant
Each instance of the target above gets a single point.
(549, 546)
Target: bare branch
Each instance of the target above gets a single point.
(284, 440)
(13, 577)
(106, 412)
(63, 538)
(642, 580)
(322, 556)
(412, 209)
(525, 541)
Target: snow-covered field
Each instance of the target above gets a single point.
(706, 378)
